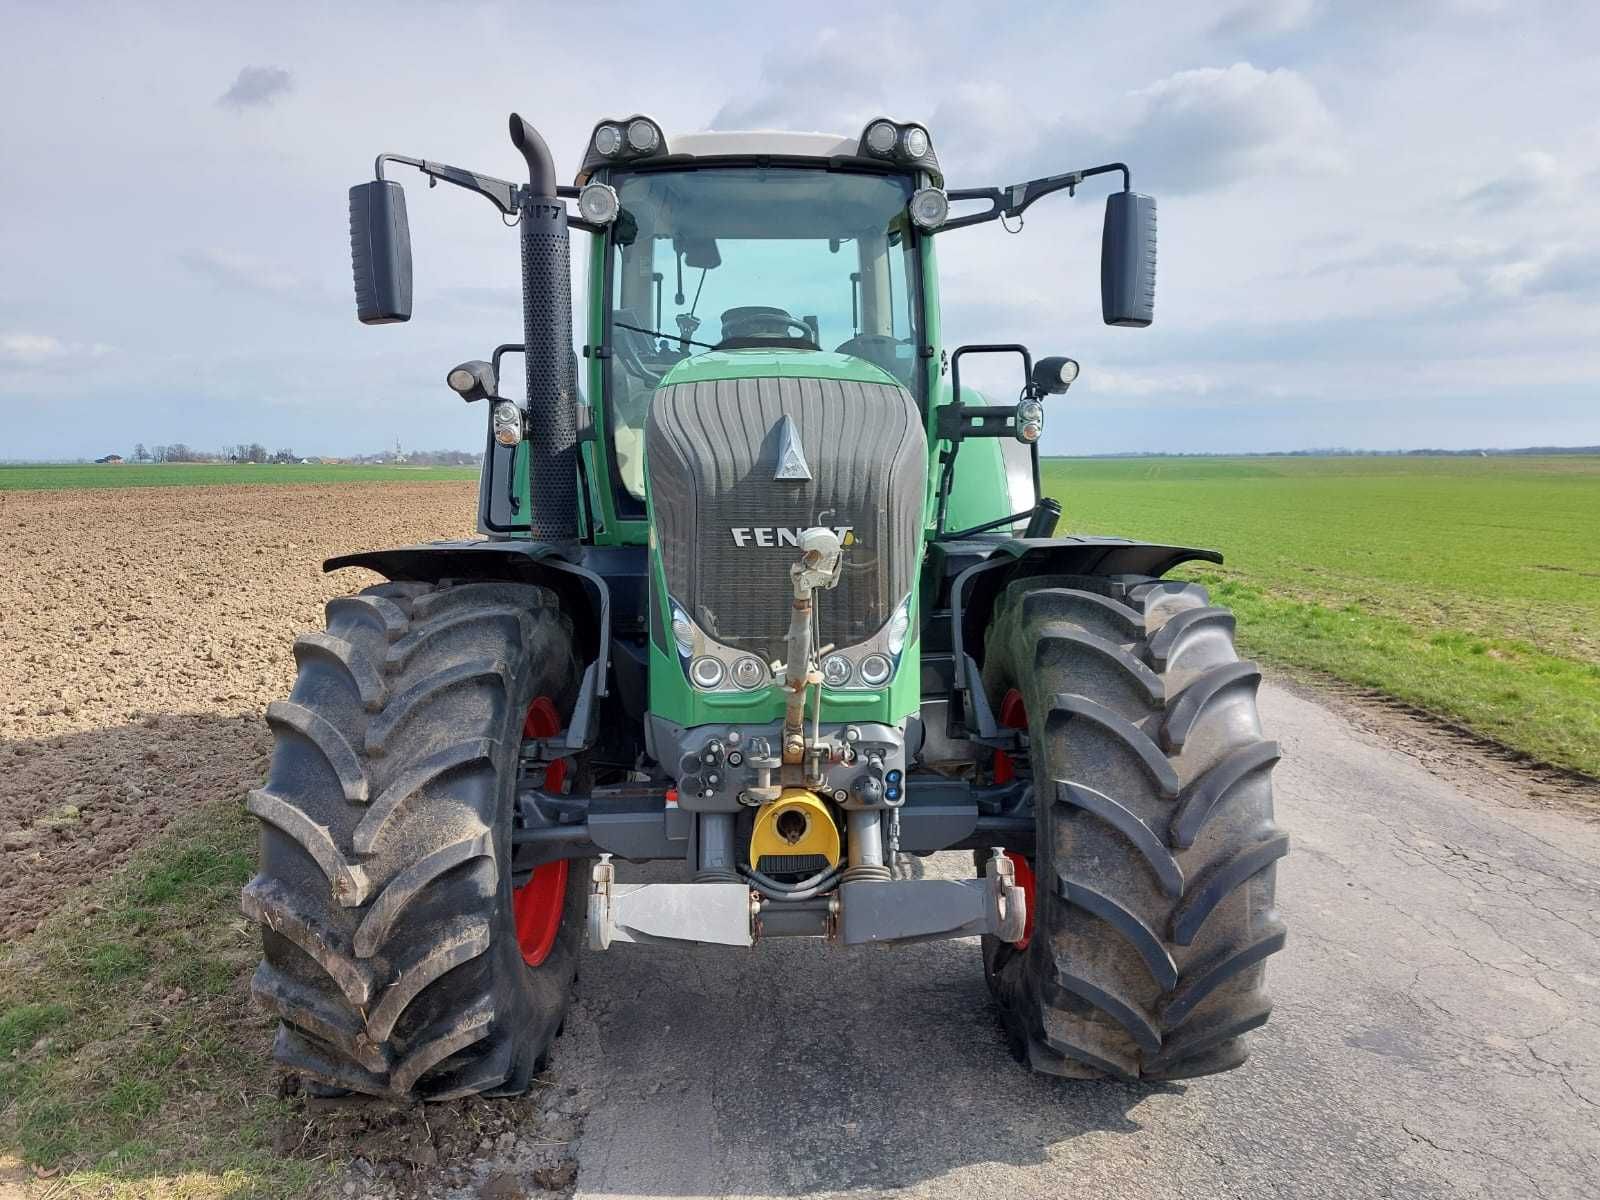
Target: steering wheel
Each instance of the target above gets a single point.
(758, 322)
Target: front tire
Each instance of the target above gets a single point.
(384, 894)
(1155, 853)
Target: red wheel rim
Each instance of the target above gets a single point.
(1024, 871)
(1014, 715)
(537, 905)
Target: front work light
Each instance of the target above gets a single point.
(881, 137)
(1054, 375)
(642, 135)
(608, 140)
(929, 207)
(598, 203)
(472, 380)
(914, 141)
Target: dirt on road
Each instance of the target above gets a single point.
(142, 633)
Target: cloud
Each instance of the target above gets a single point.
(241, 272)
(1189, 132)
(1264, 18)
(1537, 176)
(29, 348)
(256, 87)
(1204, 128)
(1562, 273)
(835, 85)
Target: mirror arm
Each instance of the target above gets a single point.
(503, 195)
(1011, 201)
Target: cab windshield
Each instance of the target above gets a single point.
(731, 258)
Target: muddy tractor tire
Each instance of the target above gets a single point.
(399, 956)
(1155, 850)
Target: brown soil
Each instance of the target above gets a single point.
(142, 633)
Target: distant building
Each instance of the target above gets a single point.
(110, 458)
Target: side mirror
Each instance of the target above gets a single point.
(380, 252)
(1128, 260)
(473, 380)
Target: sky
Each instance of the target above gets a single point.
(1377, 217)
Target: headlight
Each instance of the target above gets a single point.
(598, 203)
(682, 631)
(835, 671)
(875, 670)
(608, 140)
(706, 673)
(749, 673)
(899, 625)
(642, 136)
(881, 137)
(929, 207)
(507, 421)
(914, 141)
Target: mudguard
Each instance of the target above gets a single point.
(999, 561)
(585, 597)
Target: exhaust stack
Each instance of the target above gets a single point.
(547, 336)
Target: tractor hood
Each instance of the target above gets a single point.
(747, 448)
(778, 363)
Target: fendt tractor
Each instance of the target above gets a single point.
(766, 591)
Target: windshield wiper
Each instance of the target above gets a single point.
(671, 337)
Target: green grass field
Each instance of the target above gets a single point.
(1466, 586)
(51, 478)
(131, 1056)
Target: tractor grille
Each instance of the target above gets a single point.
(712, 449)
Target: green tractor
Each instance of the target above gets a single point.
(763, 590)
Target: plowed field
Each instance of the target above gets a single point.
(142, 632)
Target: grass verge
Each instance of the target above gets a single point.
(1463, 586)
(132, 1062)
(1502, 688)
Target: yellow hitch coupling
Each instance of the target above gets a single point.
(794, 833)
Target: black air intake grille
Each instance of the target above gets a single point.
(712, 449)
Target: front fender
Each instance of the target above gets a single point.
(585, 595)
(975, 590)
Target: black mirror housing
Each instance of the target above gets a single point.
(380, 252)
(1128, 260)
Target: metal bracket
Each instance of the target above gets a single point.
(925, 910)
(721, 914)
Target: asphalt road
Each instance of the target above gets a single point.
(1437, 1030)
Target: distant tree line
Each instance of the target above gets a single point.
(255, 452)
